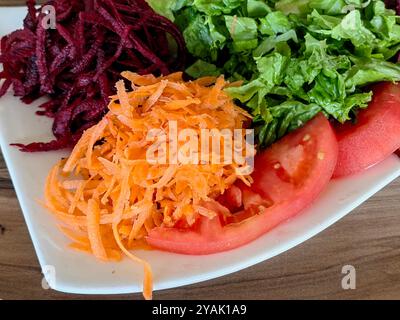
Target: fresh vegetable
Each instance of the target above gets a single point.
(288, 177)
(297, 58)
(109, 193)
(375, 134)
(77, 63)
(393, 4)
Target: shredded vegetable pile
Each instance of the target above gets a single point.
(79, 61)
(297, 58)
(108, 195)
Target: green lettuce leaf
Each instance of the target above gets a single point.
(243, 31)
(257, 8)
(217, 7)
(274, 23)
(295, 57)
(202, 69)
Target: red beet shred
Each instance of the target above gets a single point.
(393, 4)
(77, 63)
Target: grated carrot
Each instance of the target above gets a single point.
(93, 228)
(107, 195)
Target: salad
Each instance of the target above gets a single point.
(296, 92)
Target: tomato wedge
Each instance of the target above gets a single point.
(287, 178)
(374, 137)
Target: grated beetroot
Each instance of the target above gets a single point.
(393, 4)
(77, 63)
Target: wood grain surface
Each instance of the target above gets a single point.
(368, 239)
(12, 2)
(16, 2)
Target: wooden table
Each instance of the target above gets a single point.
(368, 239)
(13, 2)
(16, 2)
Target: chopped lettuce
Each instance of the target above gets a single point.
(202, 69)
(296, 57)
(243, 31)
(217, 7)
(167, 7)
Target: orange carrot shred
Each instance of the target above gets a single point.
(93, 226)
(108, 196)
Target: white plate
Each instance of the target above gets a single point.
(81, 273)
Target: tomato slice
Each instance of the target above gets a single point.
(232, 198)
(287, 178)
(374, 137)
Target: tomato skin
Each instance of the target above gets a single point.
(374, 137)
(274, 197)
